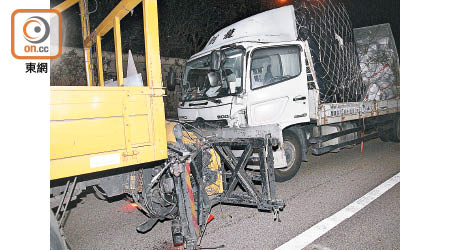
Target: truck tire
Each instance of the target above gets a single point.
(292, 147)
(384, 135)
(390, 132)
(56, 240)
(396, 130)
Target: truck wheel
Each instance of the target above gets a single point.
(292, 149)
(396, 130)
(384, 135)
(393, 133)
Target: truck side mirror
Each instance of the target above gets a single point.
(171, 80)
(216, 60)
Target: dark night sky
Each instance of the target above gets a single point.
(371, 12)
(362, 13)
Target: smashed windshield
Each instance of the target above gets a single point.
(196, 85)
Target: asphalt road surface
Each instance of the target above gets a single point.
(324, 185)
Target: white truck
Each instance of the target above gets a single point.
(298, 77)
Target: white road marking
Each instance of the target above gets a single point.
(309, 236)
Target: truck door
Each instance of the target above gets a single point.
(278, 86)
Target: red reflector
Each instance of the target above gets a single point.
(129, 207)
(210, 218)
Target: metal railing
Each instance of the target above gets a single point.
(112, 21)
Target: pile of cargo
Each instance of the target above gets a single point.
(378, 60)
(350, 64)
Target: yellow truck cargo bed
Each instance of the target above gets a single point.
(99, 128)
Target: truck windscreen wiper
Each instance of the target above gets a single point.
(215, 100)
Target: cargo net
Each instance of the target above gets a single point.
(326, 26)
(379, 62)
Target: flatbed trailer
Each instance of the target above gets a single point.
(330, 113)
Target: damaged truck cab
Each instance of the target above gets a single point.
(254, 77)
(262, 78)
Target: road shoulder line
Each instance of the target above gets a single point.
(310, 235)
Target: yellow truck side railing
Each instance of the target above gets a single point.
(96, 128)
(83, 5)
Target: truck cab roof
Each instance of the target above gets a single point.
(276, 25)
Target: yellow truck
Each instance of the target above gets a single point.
(116, 140)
